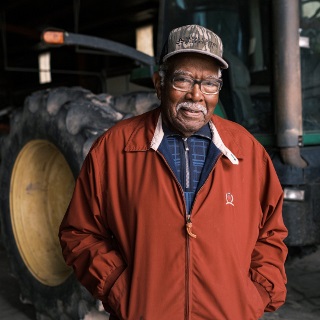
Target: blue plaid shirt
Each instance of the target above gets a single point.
(187, 159)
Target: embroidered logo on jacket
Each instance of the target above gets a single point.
(229, 198)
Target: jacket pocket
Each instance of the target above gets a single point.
(118, 296)
(254, 299)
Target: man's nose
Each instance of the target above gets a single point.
(195, 93)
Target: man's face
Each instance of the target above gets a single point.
(186, 112)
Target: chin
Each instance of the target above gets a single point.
(186, 132)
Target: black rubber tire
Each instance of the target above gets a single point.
(64, 118)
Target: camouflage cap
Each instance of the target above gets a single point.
(193, 38)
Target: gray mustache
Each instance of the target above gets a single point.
(192, 107)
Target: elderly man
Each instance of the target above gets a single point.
(177, 213)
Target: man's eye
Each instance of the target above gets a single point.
(210, 83)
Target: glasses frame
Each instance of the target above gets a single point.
(199, 82)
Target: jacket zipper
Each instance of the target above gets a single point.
(187, 315)
(187, 182)
(188, 228)
(188, 223)
(191, 235)
(186, 157)
(187, 240)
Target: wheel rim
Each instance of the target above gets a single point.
(41, 188)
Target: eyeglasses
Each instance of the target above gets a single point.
(207, 86)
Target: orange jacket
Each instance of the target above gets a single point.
(125, 235)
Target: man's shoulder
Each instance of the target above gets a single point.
(230, 130)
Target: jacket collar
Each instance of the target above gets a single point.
(136, 141)
(204, 132)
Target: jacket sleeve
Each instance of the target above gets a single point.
(87, 244)
(268, 257)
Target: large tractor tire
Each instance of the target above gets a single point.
(41, 158)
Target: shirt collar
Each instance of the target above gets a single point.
(204, 132)
(216, 139)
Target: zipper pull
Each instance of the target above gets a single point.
(185, 144)
(189, 227)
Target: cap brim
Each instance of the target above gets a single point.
(223, 64)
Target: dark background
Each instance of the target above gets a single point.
(22, 22)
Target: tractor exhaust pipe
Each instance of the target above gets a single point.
(287, 80)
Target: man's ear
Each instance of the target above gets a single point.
(157, 84)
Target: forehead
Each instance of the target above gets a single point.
(193, 63)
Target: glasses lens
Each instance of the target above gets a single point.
(210, 86)
(182, 83)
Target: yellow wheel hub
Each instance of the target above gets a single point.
(41, 188)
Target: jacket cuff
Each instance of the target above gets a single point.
(112, 279)
(263, 294)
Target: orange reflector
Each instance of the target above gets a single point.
(53, 37)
